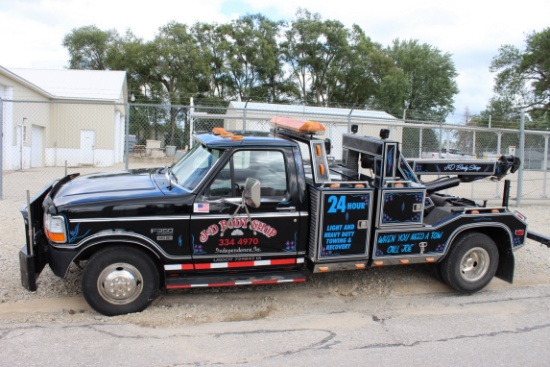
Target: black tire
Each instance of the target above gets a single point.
(435, 271)
(471, 263)
(120, 280)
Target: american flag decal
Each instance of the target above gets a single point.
(201, 208)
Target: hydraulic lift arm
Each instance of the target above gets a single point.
(466, 171)
(539, 238)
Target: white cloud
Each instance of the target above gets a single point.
(33, 30)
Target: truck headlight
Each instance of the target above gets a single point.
(55, 228)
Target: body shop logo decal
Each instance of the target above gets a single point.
(235, 227)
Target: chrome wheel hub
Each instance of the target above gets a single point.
(474, 264)
(120, 283)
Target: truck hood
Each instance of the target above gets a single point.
(107, 187)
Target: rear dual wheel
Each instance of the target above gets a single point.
(471, 263)
(120, 280)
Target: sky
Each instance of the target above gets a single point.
(31, 31)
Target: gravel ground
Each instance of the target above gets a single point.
(230, 304)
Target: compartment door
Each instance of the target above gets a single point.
(344, 225)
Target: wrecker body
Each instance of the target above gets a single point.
(251, 209)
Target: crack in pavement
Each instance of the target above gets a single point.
(325, 343)
(459, 337)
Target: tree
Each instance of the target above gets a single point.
(179, 72)
(132, 54)
(211, 38)
(88, 47)
(308, 60)
(523, 77)
(253, 60)
(315, 51)
(431, 79)
(360, 75)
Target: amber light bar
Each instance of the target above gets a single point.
(297, 125)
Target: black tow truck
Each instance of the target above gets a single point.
(250, 209)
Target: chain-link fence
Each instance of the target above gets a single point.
(47, 140)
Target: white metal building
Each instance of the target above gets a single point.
(50, 117)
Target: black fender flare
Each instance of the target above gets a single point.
(503, 240)
(63, 255)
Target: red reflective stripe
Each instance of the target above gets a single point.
(179, 286)
(187, 267)
(283, 261)
(202, 266)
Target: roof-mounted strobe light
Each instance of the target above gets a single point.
(298, 126)
(222, 132)
(303, 132)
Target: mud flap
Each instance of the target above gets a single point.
(28, 270)
(506, 266)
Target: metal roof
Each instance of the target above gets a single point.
(76, 84)
(309, 110)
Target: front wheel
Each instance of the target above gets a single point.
(471, 263)
(120, 280)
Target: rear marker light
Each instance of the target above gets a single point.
(520, 216)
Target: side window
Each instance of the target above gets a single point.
(222, 186)
(267, 166)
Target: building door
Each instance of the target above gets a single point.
(36, 146)
(87, 146)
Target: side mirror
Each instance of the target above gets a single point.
(252, 192)
(251, 198)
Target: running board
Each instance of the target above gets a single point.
(230, 280)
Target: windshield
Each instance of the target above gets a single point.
(192, 167)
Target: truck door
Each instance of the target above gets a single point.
(223, 232)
